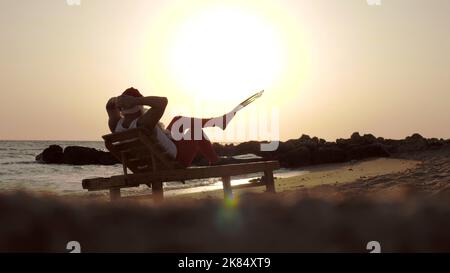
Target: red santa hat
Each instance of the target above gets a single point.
(133, 92)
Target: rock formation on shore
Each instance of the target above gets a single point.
(299, 152)
(308, 150)
(75, 155)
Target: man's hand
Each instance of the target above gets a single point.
(113, 113)
(125, 102)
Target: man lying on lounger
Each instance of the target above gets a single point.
(183, 138)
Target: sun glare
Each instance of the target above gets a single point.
(216, 53)
(224, 51)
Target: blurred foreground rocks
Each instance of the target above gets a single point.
(257, 223)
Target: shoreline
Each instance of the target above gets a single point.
(320, 175)
(287, 181)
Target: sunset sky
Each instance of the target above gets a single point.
(328, 67)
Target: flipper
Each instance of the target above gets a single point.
(248, 101)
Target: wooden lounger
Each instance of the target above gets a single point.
(139, 151)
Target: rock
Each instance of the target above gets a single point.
(305, 138)
(315, 140)
(355, 137)
(342, 142)
(309, 142)
(283, 148)
(326, 155)
(415, 136)
(51, 155)
(296, 158)
(366, 151)
(249, 147)
(413, 143)
(105, 158)
(369, 138)
(434, 143)
(76, 155)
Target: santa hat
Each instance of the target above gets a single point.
(133, 92)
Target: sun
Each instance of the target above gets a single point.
(224, 53)
(210, 55)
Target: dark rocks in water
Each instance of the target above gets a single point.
(51, 155)
(106, 158)
(75, 155)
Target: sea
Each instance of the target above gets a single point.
(20, 171)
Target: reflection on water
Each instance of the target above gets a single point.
(282, 173)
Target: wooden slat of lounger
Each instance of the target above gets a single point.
(168, 163)
(142, 152)
(137, 154)
(135, 144)
(131, 164)
(140, 165)
(125, 135)
(112, 182)
(179, 174)
(144, 157)
(113, 150)
(136, 164)
(140, 137)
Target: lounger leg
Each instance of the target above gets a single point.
(227, 191)
(270, 184)
(157, 191)
(114, 194)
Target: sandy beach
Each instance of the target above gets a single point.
(330, 174)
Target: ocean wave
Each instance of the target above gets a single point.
(9, 149)
(18, 162)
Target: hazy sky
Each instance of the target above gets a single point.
(329, 67)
